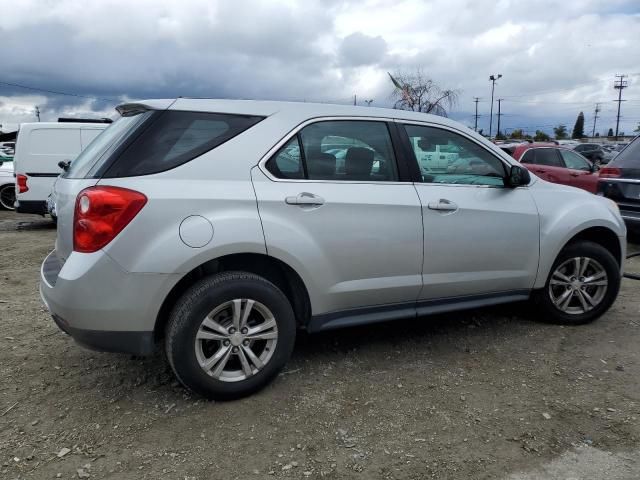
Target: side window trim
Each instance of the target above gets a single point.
(388, 122)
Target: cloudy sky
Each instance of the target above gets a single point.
(556, 57)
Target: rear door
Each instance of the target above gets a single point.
(351, 226)
(581, 172)
(480, 237)
(546, 163)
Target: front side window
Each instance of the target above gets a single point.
(447, 157)
(340, 150)
(548, 157)
(574, 161)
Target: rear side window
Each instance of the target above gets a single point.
(528, 157)
(629, 157)
(174, 138)
(548, 157)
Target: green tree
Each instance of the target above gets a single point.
(578, 128)
(540, 136)
(517, 133)
(610, 132)
(500, 136)
(560, 131)
(597, 134)
(637, 128)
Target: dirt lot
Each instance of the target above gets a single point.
(480, 394)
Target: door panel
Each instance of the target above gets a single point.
(479, 236)
(489, 243)
(360, 246)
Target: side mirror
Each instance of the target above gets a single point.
(518, 177)
(594, 167)
(64, 165)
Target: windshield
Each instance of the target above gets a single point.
(109, 137)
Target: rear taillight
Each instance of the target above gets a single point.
(610, 172)
(21, 181)
(101, 214)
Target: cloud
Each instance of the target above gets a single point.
(359, 49)
(553, 66)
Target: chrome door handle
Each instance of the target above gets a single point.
(304, 198)
(443, 205)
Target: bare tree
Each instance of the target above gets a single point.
(414, 91)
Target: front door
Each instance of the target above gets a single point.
(334, 207)
(480, 237)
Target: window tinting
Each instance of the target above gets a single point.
(629, 157)
(347, 150)
(447, 157)
(574, 161)
(548, 157)
(176, 137)
(287, 163)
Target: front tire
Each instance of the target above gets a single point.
(229, 335)
(583, 283)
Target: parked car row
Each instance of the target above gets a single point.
(618, 180)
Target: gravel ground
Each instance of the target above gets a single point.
(481, 394)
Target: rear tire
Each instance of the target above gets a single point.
(229, 335)
(583, 283)
(7, 196)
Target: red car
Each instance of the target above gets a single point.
(558, 165)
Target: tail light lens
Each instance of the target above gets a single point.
(21, 181)
(610, 172)
(101, 214)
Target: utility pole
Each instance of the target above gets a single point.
(476, 100)
(499, 114)
(619, 85)
(37, 112)
(355, 100)
(595, 118)
(493, 79)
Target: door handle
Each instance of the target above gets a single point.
(542, 170)
(304, 198)
(574, 174)
(443, 205)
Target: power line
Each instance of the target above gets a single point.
(619, 85)
(26, 87)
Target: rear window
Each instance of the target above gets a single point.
(629, 157)
(173, 138)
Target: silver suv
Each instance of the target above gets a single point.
(219, 228)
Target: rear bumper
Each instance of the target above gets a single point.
(102, 306)
(31, 206)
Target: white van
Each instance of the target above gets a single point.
(39, 149)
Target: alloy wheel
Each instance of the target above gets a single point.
(578, 285)
(7, 197)
(236, 340)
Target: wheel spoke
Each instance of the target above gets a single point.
(213, 325)
(592, 302)
(205, 335)
(583, 267)
(237, 312)
(583, 301)
(223, 363)
(577, 262)
(248, 306)
(263, 336)
(563, 300)
(211, 362)
(246, 368)
(560, 278)
(252, 356)
(599, 278)
(266, 325)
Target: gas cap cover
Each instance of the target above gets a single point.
(196, 231)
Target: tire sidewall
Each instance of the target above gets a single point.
(191, 310)
(608, 262)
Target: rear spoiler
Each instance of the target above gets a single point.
(128, 109)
